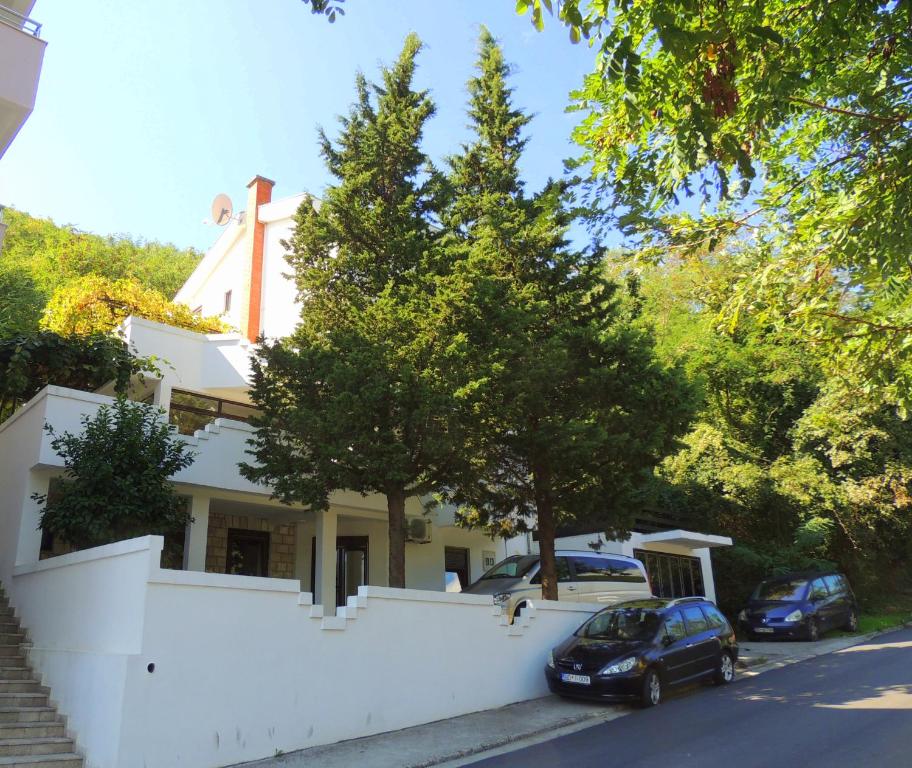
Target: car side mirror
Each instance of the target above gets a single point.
(667, 640)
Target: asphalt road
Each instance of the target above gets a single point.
(849, 709)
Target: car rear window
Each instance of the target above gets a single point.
(786, 591)
(606, 569)
(714, 617)
(695, 620)
(835, 585)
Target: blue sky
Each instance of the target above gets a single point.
(146, 110)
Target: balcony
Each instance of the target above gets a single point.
(21, 55)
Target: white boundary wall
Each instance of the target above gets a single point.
(246, 666)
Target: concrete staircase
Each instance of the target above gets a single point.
(32, 734)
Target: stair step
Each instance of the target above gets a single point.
(21, 686)
(30, 730)
(11, 651)
(23, 699)
(64, 760)
(12, 714)
(15, 673)
(9, 627)
(11, 638)
(38, 745)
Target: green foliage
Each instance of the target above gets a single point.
(38, 258)
(29, 363)
(800, 466)
(117, 477)
(356, 398)
(790, 124)
(94, 304)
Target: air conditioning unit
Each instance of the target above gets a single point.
(418, 530)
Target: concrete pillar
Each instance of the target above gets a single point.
(303, 534)
(197, 534)
(325, 566)
(28, 548)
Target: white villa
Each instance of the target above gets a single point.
(235, 640)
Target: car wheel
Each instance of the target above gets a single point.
(813, 631)
(725, 672)
(852, 624)
(651, 695)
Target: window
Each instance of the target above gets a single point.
(787, 591)
(595, 568)
(247, 553)
(818, 590)
(514, 567)
(695, 620)
(227, 307)
(835, 584)
(674, 626)
(562, 566)
(672, 575)
(623, 624)
(190, 411)
(714, 617)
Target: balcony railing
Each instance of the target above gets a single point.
(12, 19)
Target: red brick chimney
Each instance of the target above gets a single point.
(259, 191)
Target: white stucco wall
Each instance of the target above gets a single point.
(21, 438)
(280, 310)
(245, 666)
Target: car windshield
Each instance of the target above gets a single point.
(622, 624)
(789, 591)
(514, 567)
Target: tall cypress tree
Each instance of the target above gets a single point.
(564, 406)
(353, 400)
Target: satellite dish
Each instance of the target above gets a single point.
(221, 210)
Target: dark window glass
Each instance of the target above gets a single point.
(191, 411)
(672, 575)
(787, 591)
(695, 620)
(513, 567)
(714, 617)
(605, 569)
(674, 626)
(227, 302)
(818, 590)
(622, 624)
(247, 553)
(562, 566)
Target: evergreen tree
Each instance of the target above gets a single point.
(565, 408)
(354, 399)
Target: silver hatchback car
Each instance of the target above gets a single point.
(583, 577)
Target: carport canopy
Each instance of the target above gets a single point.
(688, 539)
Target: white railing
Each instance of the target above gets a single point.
(13, 19)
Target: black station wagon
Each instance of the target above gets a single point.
(637, 649)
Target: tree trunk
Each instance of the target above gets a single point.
(395, 505)
(545, 512)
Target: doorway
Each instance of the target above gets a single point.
(351, 566)
(456, 562)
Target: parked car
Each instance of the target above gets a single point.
(639, 649)
(800, 606)
(594, 577)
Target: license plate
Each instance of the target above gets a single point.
(581, 679)
(764, 629)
